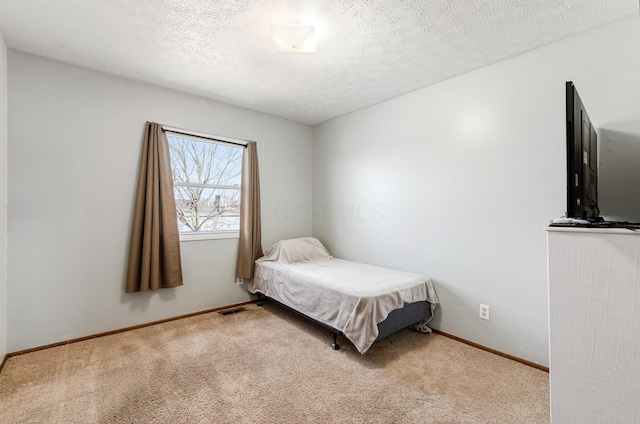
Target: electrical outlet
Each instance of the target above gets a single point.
(484, 311)
(239, 280)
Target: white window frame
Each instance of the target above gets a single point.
(206, 138)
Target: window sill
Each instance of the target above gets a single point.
(209, 236)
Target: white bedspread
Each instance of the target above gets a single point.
(349, 296)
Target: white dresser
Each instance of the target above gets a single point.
(594, 307)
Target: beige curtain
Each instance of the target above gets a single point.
(154, 253)
(250, 244)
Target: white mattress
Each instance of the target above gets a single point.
(349, 296)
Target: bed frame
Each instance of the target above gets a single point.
(407, 316)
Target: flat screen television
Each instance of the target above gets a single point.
(582, 160)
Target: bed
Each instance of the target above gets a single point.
(365, 303)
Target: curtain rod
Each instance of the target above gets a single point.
(181, 131)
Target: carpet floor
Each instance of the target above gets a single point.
(267, 365)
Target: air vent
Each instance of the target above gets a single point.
(231, 311)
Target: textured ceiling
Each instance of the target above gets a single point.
(368, 50)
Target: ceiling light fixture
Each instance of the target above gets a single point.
(293, 37)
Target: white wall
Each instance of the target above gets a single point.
(3, 199)
(74, 145)
(457, 180)
(618, 170)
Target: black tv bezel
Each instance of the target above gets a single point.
(582, 194)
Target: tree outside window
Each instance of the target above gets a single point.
(206, 178)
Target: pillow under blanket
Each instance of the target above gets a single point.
(298, 250)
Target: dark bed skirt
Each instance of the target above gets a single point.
(409, 314)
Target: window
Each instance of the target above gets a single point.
(206, 177)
